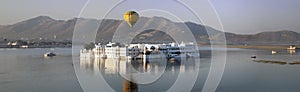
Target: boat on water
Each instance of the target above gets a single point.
(274, 52)
(49, 54)
(253, 56)
(292, 47)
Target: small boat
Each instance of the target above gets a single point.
(49, 54)
(253, 56)
(274, 52)
(292, 47)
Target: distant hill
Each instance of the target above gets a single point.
(39, 27)
(283, 37)
(47, 28)
(147, 36)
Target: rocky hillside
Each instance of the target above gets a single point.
(44, 27)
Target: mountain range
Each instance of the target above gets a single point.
(44, 27)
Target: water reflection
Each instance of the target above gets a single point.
(115, 66)
(291, 51)
(120, 71)
(129, 86)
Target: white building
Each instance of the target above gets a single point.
(113, 50)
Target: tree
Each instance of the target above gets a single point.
(89, 46)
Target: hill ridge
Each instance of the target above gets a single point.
(46, 27)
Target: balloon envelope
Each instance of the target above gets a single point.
(131, 17)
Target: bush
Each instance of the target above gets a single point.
(89, 46)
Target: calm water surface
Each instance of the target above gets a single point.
(26, 70)
(243, 75)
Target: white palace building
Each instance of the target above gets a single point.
(113, 50)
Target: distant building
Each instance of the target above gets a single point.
(17, 43)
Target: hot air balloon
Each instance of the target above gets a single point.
(131, 17)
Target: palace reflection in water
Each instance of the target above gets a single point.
(116, 67)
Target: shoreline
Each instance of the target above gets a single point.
(269, 47)
(36, 47)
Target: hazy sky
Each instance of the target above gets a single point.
(237, 16)
(252, 16)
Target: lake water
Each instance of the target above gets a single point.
(27, 70)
